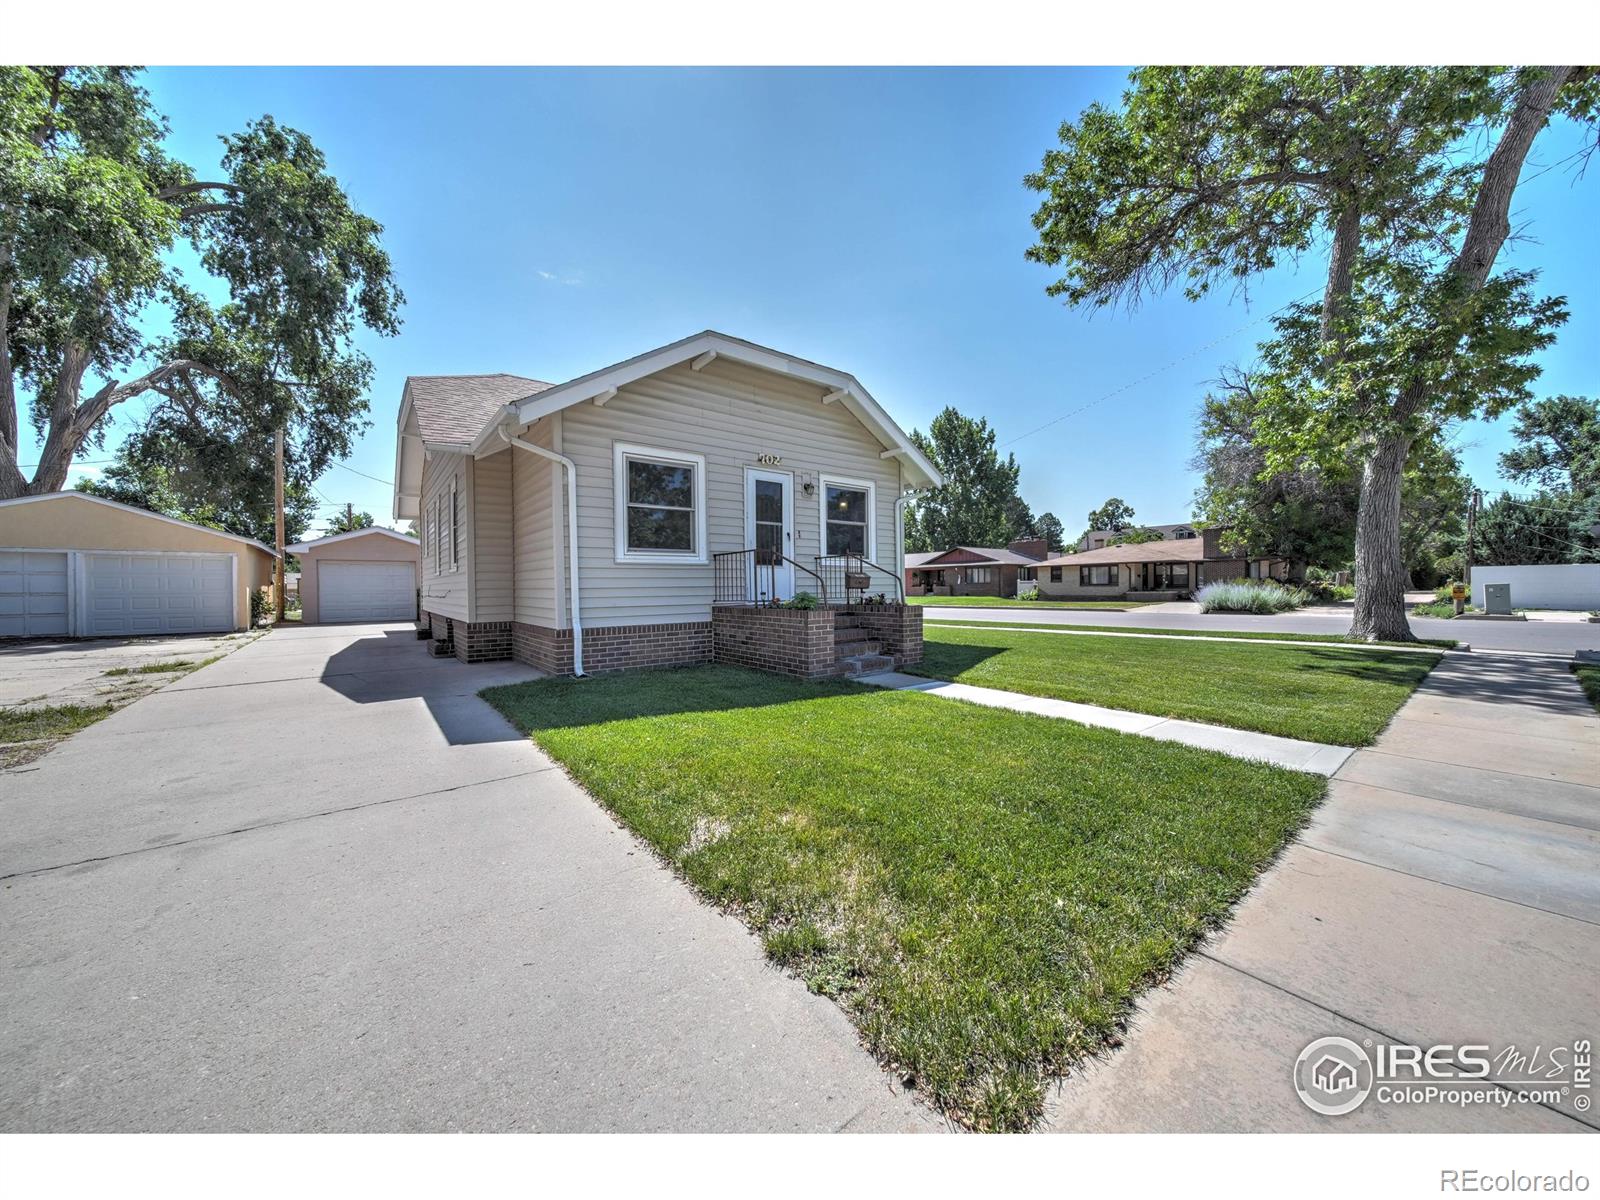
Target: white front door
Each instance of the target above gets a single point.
(769, 530)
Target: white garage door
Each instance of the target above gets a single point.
(366, 591)
(156, 593)
(33, 594)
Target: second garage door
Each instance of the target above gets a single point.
(366, 591)
(156, 593)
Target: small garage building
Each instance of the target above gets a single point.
(75, 565)
(364, 575)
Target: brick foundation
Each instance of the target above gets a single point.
(613, 647)
(896, 627)
(481, 641)
(789, 641)
(439, 629)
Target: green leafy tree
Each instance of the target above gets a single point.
(1051, 530)
(91, 211)
(1559, 445)
(1402, 176)
(1114, 515)
(349, 522)
(1137, 535)
(1549, 528)
(1307, 512)
(165, 479)
(977, 505)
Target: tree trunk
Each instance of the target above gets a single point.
(1381, 581)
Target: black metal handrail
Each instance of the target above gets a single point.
(850, 574)
(737, 577)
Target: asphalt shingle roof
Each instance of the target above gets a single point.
(455, 408)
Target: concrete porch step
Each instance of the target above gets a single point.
(865, 664)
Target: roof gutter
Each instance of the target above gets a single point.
(571, 470)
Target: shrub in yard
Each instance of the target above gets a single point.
(1250, 596)
(801, 600)
(1030, 594)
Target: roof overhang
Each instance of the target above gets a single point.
(304, 547)
(409, 450)
(836, 386)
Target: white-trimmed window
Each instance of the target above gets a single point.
(849, 517)
(660, 505)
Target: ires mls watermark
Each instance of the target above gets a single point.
(1335, 1075)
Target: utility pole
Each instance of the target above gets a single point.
(349, 516)
(279, 598)
(1472, 522)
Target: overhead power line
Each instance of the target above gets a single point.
(1159, 370)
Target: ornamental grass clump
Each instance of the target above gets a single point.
(1261, 596)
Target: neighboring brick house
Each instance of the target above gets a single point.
(975, 570)
(1164, 570)
(621, 518)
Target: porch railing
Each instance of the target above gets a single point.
(751, 577)
(851, 578)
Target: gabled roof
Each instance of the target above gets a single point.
(143, 512)
(918, 557)
(834, 386)
(1183, 550)
(1006, 558)
(451, 410)
(303, 547)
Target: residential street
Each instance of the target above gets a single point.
(1539, 636)
(320, 885)
(1448, 891)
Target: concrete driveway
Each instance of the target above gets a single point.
(319, 885)
(40, 671)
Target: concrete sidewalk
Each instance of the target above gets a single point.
(1448, 891)
(321, 886)
(1314, 757)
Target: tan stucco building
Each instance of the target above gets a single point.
(364, 575)
(75, 565)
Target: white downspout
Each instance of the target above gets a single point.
(572, 538)
(900, 536)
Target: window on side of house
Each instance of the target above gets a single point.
(1178, 574)
(661, 506)
(455, 525)
(979, 575)
(847, 515)
(1055, 574)
(1097, 576)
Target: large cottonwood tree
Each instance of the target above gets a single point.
(1401, 176)
(95, 310)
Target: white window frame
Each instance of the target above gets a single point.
(621, 452)
(823, 484)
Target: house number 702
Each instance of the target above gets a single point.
(768, 460)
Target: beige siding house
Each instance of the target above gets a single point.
(621, 508)
(75, 565)
(1166, 570)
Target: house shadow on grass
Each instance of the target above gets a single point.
(565, 703)
(947, 660)
(393, 666)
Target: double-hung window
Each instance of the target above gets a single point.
(847, 517)
(1055, 574)
(660, 505)
(455, 526)
(1097, 576)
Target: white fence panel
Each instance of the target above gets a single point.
(1573, 586)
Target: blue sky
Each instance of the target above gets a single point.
(548, 222)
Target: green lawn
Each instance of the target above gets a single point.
(1231, 634)
(1589, 680)
(41, 726)
(1003, 602)
(1338, 695)
(984, 892)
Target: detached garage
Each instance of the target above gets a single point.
(74, 565)
(365, 575)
